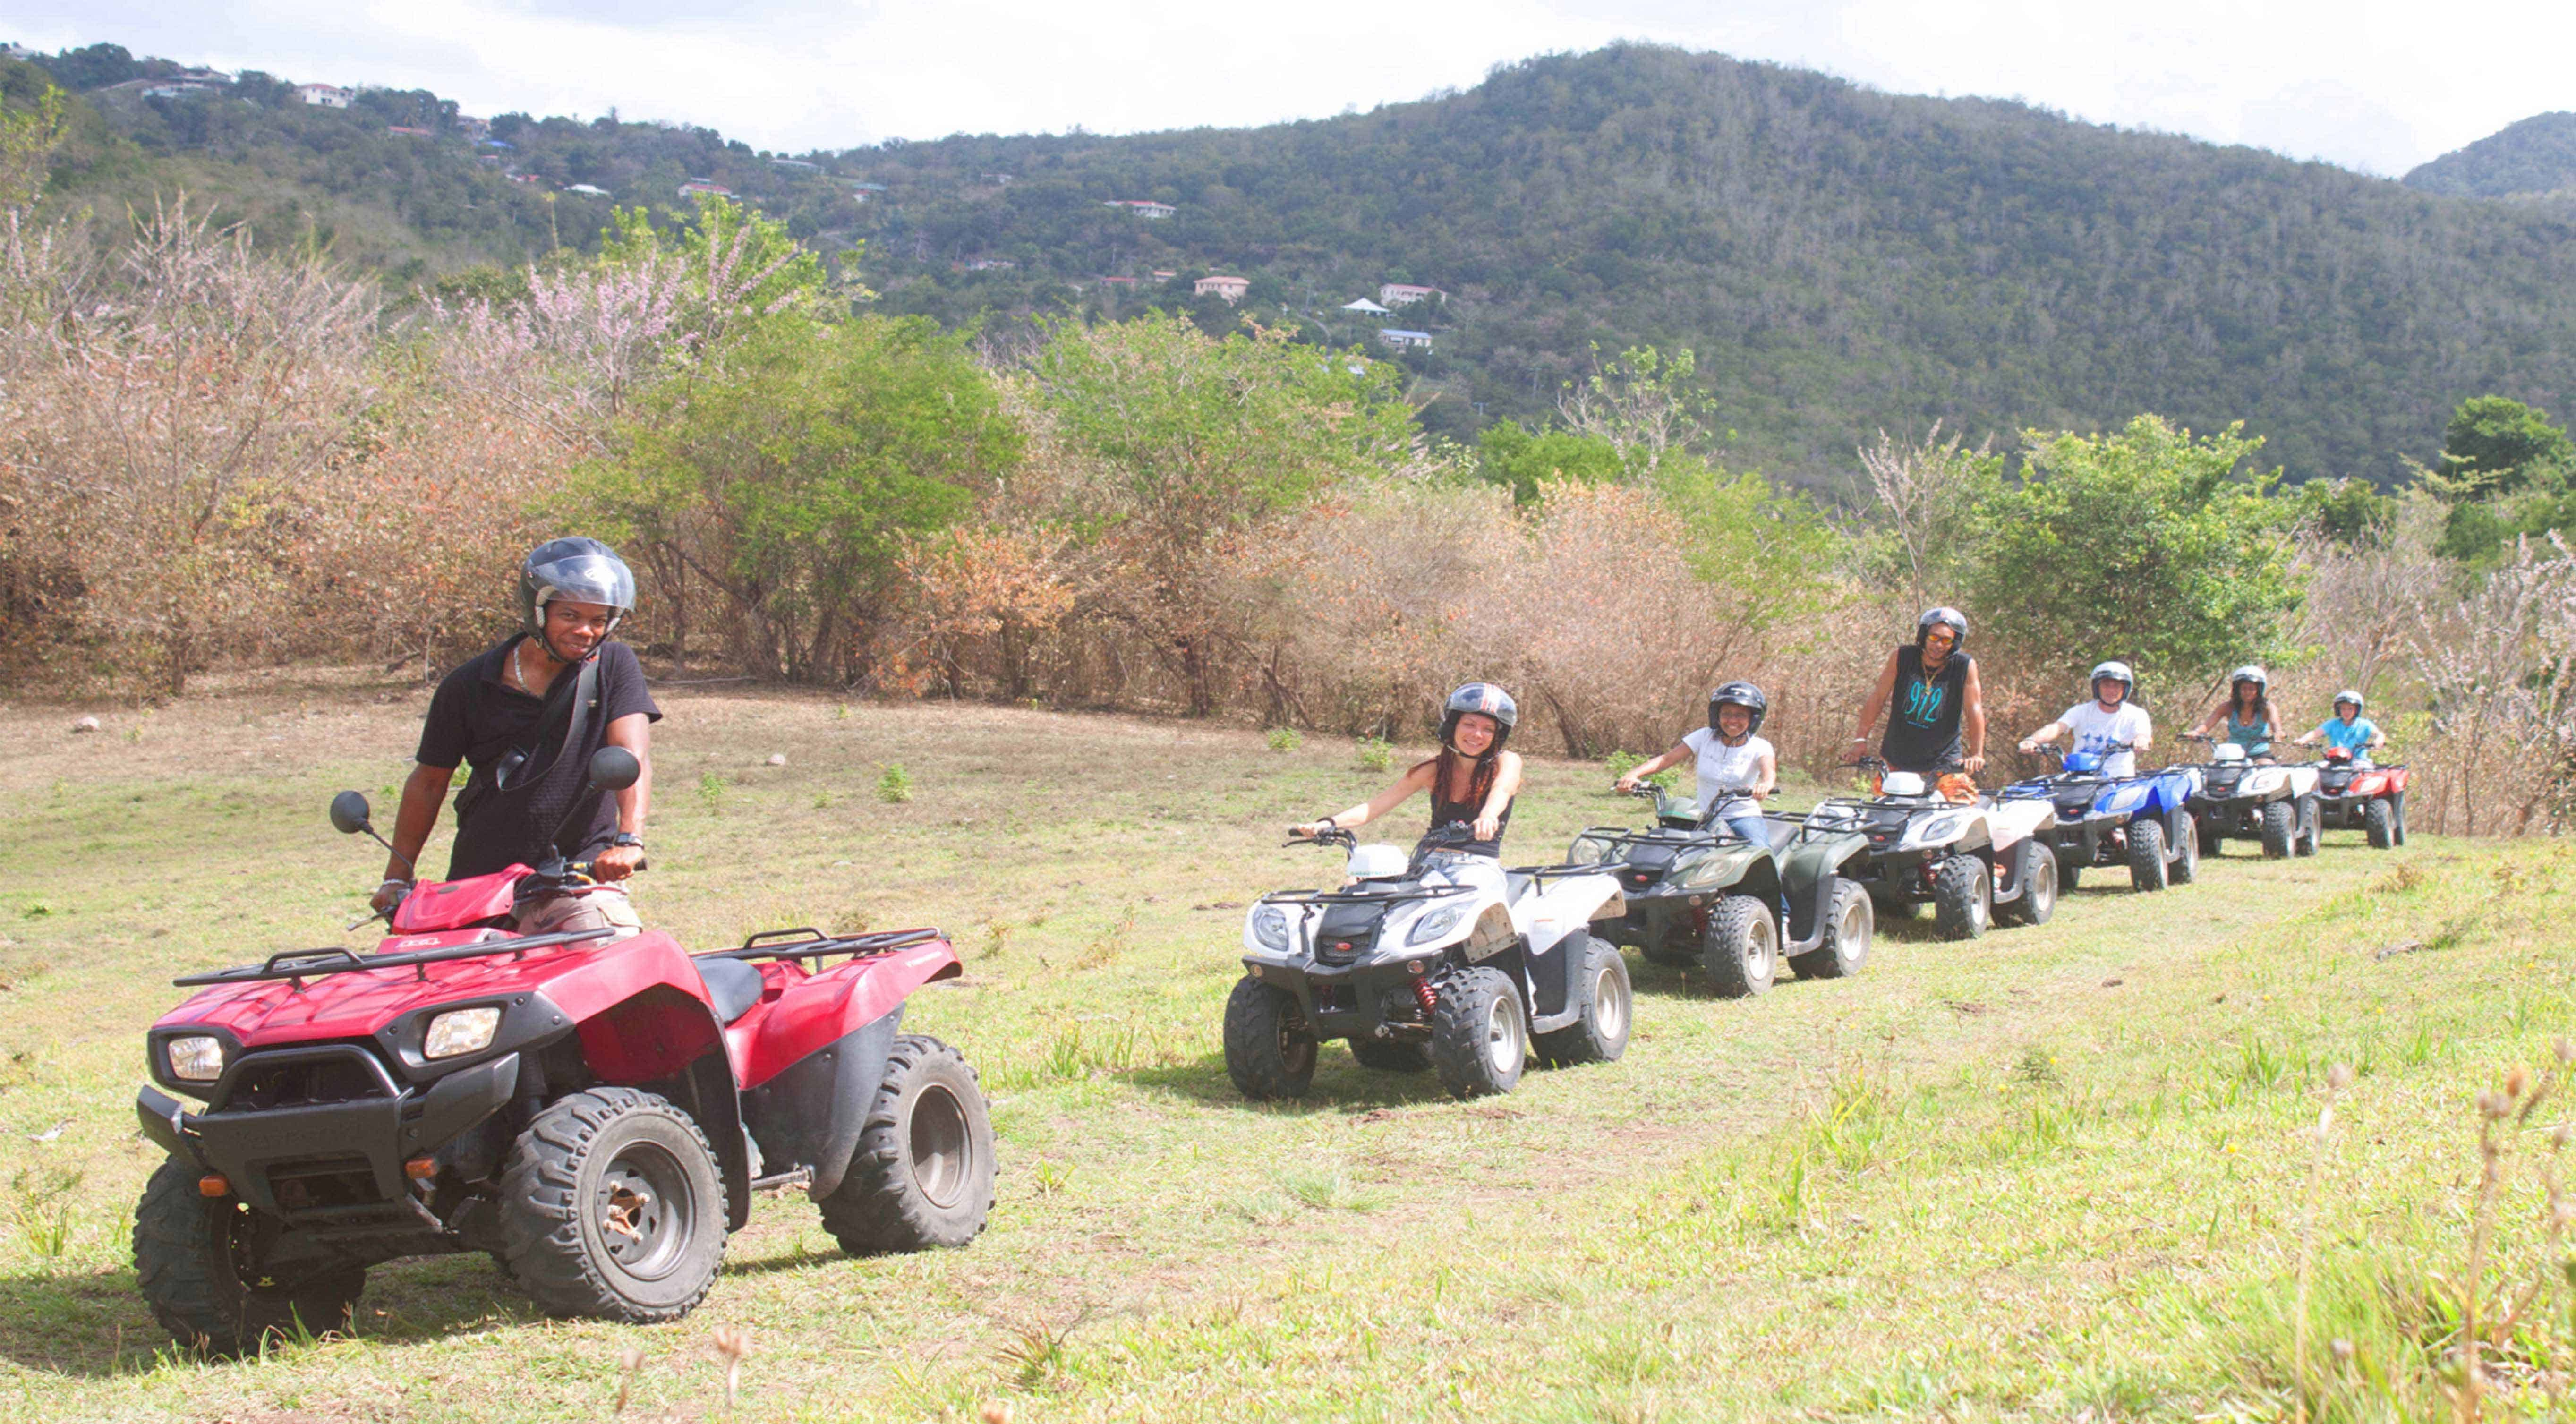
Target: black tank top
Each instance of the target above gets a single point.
(1923, 714)
(1444, 812)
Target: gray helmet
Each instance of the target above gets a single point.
(1933, 617)
(1486, 698)
(2118, 672)
(2249, 673)
(2353, 696)
(1739, 694)
(578, 570)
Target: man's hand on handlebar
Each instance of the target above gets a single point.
(617, 862)
(388, 895)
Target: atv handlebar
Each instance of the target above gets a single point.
(1331, 836)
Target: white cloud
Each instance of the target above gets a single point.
(2372, 84)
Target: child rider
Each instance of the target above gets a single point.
(2347, 729)
(2109, 726)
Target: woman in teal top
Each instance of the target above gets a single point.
(2349, 731)
(2246, 715)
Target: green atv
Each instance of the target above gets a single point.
(1701, 894)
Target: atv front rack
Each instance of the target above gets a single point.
(816, 944)
(313, 963)
(1364, 897)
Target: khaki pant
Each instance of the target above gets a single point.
(598, 907)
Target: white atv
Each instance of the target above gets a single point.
(1975, 861)
(1440, 960)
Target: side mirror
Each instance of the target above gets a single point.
(349, 813)
(614, 769)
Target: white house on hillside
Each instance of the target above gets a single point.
(1399, 337)
(329, 96)
(1230, 288)
(1143, 207)
(1405, 294)
(587, 191)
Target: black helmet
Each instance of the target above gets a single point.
(1482, 697)
(1740, 694)
(1957, 620)
(580, 570)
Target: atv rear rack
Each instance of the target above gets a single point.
(300, 964)
(816, 944)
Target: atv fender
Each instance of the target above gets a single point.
(1808, 873)
(813, 1066)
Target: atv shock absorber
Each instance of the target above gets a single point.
(1430, 1000)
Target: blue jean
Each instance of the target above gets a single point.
(1752, 828)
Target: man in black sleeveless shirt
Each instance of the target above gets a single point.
(1936, 714)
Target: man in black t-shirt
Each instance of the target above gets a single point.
(1935, 705)
(518, 715)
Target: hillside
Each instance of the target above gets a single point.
(1841, 259)
(2537, 155)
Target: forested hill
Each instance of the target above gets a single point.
(1840, 259)
(2537, 155)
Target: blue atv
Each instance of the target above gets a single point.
(2143, 822)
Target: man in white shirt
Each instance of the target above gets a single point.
(2109, 726)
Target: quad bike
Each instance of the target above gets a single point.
(2354, 793)
(1418, 964)
(1975, 862)
(2142, 822)
(1698, 893)
(2276, 806)
(594, 1115)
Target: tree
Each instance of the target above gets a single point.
(2150, 545)
(2497, 447)
(790, 474)
(94, 67)
(1931, 491)
(1523, 460)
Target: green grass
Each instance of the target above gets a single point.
(2052, 1174)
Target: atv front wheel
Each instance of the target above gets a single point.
(2184, 838)
(2146, 854)
(1390, 1057)
(1479, 1041)
(1742, 956)
(2312, 823)
(198, 1260)
(1963, 897)
(612, 1207)
(2278, 829)
(2035, 873)
(1847, 935)
(922, 1176)
(2378, 825)
(1599, 1032)
(1269, 1050)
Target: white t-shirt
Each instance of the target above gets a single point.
(1722, 767)
(2097, 731)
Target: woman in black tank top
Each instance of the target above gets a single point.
(1473, 780)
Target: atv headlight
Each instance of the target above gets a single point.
(2121, 802)
(1588, 850)
(1270, 927)
(1935, 830)
(461, 1031)
(1435, 922)
(1698, 870)
(198, 1058)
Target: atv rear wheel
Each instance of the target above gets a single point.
(2183, 836)
(922, 1176)
(1671, 937)
(2398, 816)
(1479, 1041)
(198, 1263)
(2070, 871)
(1891, 905)
(2213, 841)
(1847, 936)
(2278, 831)
(2035, 873)
(2312, 818)
(1963, 897)
(1388, 1057)
(1743, 947)
(2146, 854)
(1269, 1050)
(1600, 1033)
(612, 1206)
(2378, 824)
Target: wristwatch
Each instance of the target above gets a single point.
(627, 838)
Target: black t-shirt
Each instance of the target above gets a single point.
(474, 717)
(1923, 714)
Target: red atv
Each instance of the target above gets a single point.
(2357, 795)
(594, 1115)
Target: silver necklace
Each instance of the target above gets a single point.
(517, 671)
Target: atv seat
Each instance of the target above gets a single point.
(1783, 833)
(732, 987)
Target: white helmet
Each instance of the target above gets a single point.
(2118, 672)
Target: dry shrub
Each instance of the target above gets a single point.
(2498, 668)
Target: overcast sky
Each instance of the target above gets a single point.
(2372, 84)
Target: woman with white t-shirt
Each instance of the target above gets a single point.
(2109, 726)
(1731, 759)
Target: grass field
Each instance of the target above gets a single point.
(2057, 1173)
